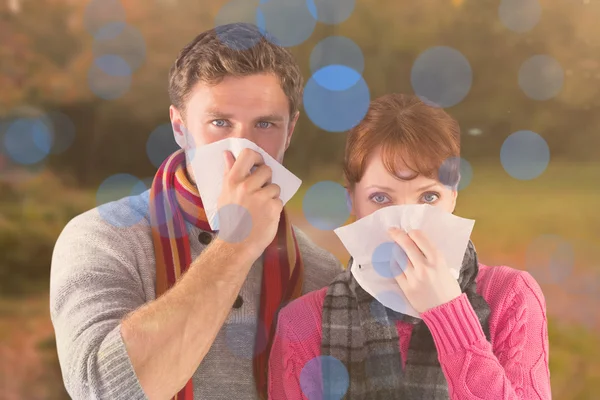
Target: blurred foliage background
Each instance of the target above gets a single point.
(46, 53)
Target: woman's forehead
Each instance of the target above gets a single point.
(376, 164)
(376, 174)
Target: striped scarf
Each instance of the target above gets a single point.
(174, 200)
(361, 333)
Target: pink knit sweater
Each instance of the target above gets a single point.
(514, 366)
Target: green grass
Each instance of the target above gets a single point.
(574, 361)
(509, 213)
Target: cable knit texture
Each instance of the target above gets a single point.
(103, 268)
(513, 366)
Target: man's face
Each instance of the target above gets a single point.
(252, 107)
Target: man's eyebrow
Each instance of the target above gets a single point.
(270, 117)
(218, 114)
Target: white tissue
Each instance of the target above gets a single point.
(208, 165)
(447, 232)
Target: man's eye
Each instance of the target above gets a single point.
(264, 124)
(219, 123)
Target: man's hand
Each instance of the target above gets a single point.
(249, 204)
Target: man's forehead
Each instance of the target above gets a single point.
(253, 113)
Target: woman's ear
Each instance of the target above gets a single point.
(454, 198)
(349, 203)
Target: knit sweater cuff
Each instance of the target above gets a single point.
(116, 371)
(454, 325)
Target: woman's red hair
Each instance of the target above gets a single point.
(409, 132)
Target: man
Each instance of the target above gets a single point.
(165, 307)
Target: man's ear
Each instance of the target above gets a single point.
(291, 127)
(179, 130)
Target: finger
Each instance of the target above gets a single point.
(399, 261)
(229, 160)
(247, 159)
(414, 254)
(272, 191)
(423, 243)
(259, 178)
(403, 281)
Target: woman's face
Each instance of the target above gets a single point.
(378, 188)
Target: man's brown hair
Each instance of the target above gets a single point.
(238, 49)
(408, 131)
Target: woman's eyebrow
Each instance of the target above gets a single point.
(429, 186)
(387, 189)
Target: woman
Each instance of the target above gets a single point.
(481, 337)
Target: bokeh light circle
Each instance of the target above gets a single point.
(337, 78)
(337, 50)
(63, 131)
(324, 205)
(466, 174)
(28, 140)
(332, 105)
(541, 77)
(147, 183)
(441, 76)
(113, 65)
(105, 85)
(164, 219)
(233, 222)
(139, 201)
(447, 173)
(389, 260)
(4, 158)
(161, 144)
(285, 22)
(525, 155)
(550, 259)
(520, 15)
(116, 200)
(235, 24)
(331, 12)
(98, 13)
(324, 378)
(122, 40)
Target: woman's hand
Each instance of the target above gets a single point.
(427, 282)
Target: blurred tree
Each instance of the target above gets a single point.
(46, 53)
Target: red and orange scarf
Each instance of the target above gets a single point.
(175, 200)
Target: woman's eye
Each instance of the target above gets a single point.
(430, 197)
(264, 124)
(220, 123)
(379, 198)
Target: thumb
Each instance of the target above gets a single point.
(229, 160)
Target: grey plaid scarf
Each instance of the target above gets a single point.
(361, 333)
